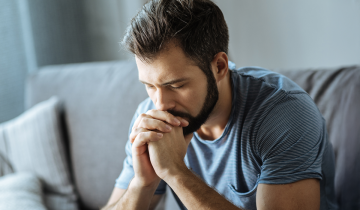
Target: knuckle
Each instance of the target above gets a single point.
(152, 112)
(141, 122)
(165, 126)
(141, 135)
(132, 134)
(169, 116)
(161, 124)
(139, 130)
(135, 140)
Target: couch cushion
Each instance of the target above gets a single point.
(21, 191)
(34, 144)
(100, 99)
(337, 95)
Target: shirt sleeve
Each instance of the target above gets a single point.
(291, 141)
(127, 173)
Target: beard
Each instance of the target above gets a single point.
(211, 99)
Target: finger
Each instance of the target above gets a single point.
(137, 131)
(146, 137)
(137, 121)
(154, 124)
(164, 116)
(184, 122)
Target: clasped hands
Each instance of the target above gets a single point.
(158, 147)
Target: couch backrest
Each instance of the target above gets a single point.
(337, 95)
(99, 102)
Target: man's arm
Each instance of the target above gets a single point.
(195, 194)
(304, 194)
(118, 200)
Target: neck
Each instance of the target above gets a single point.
(216, 123)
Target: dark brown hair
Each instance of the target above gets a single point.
(197, 26)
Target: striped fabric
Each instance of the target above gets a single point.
(275, 135)
(34, 144)
(21, 191)
(5, 165)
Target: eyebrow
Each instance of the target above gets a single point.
(168, 83)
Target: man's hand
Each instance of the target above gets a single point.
(167, 155)
(147, 128)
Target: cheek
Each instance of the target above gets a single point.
(192, 99)
(152, 94)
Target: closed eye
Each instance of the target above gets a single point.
(149, 86)
(178, 87)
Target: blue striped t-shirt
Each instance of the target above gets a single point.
(275, 135)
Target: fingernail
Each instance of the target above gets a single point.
(159, 135)
(177, 121)
(168, 127)
(185, 122)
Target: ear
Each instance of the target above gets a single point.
(220, 66)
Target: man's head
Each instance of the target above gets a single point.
(193, 30)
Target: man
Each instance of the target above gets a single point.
(221, 138)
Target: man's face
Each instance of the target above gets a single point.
(177, 85)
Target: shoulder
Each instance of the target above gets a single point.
(294, 111)
(253, 75)
(264, 93)
(294, 120)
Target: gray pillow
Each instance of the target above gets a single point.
(21, 191)
(34, 143)
(5, 165)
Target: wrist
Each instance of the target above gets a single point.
(138, 184)
(180, 170)
(137, 196)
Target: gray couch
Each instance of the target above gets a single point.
(100, 99)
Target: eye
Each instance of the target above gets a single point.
(177, 87)
(149, 86)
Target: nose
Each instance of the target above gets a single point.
(164, 100)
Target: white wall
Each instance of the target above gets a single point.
(293, 34)
(289, 34)
(106, 21)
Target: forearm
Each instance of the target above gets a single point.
(196, 194)
(135, 197)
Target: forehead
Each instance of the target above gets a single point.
(170, 64)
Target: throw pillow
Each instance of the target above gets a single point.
(34, 143)
(5, 166)
(21, 191)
